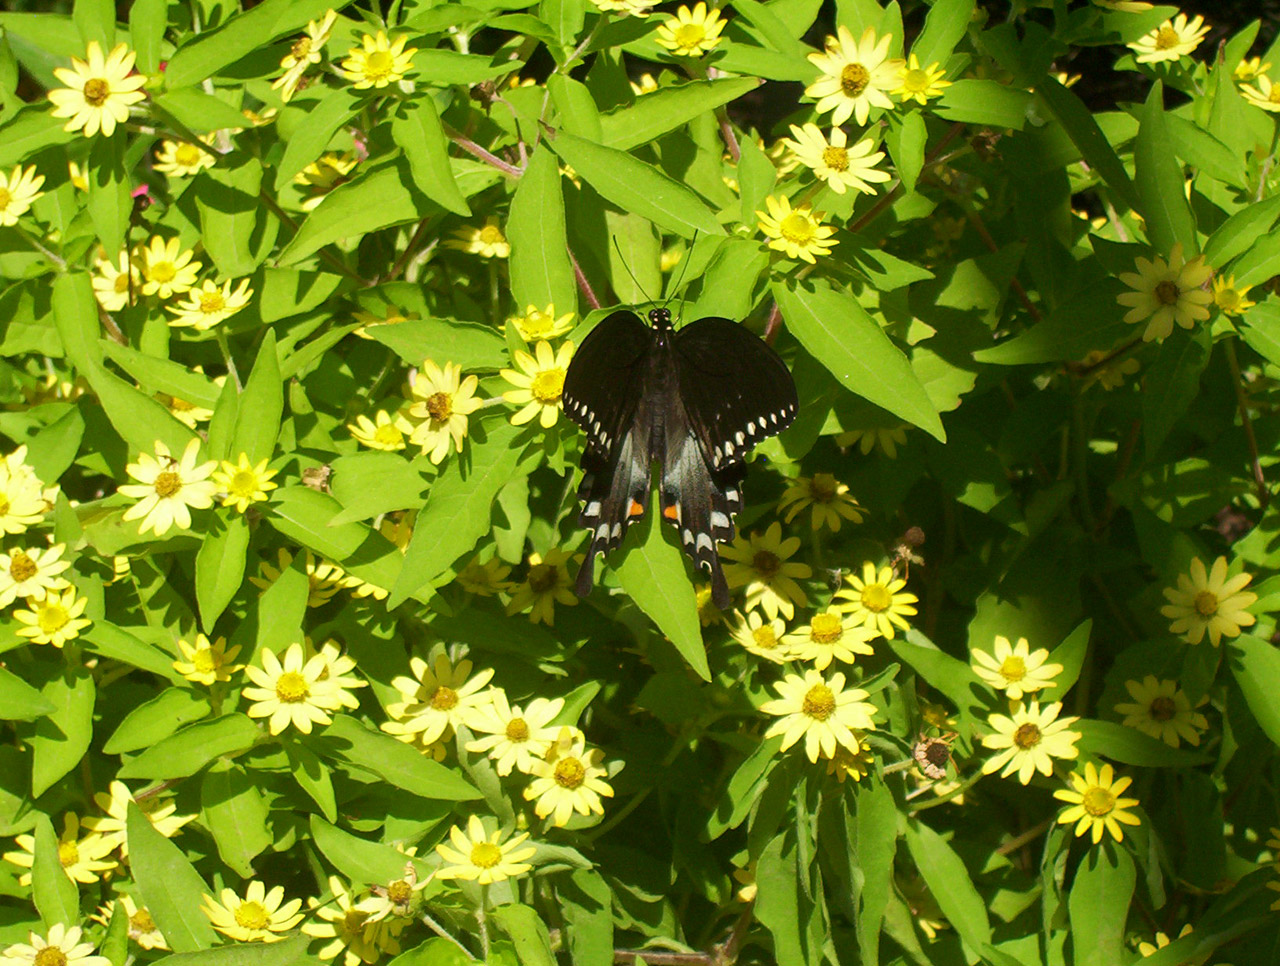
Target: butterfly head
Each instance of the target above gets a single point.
(660, 319)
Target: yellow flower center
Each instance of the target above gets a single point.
(379, 64)
(161, 271)
(689, 35)
(167, 484)
(1163, 708)
(50, 956)
(764, 637)
(1167, 38)
(96, 91)
(547, 386)
(1098, 801)
(517, 730)
(915, 81)
(301, 48)
(491, 235)
(121, 283)
(876, 597)
(205, 660)
(68, 854)
(244, 483)
(400, 892)
(819, 703)
(252, 915)
(1274, 95)
(292, 688)
(187, 155)
(570, 773)
(854, 79)
(1013, 668)
(353, 922)
(536, 324)
(485, 855)
(1228, 299)
(22, 567)
(439, 406)
(1167, 292)
(1206, 603)
(180, 406)
(141, 922)
(5, 197)
(766, 564)
(543, 578)
(445, 699)
(825, 629)
(388, 434)
(837, 159)
(822, 488)
(797, 228)
(212, 302)
(53, 617)
(1027, 736)
(4, 505)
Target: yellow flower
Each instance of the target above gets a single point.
(570, 779)
(189, 414)
(515, 737)
(1172, 40)
(24, 500)
(354, 934)
(916, 83)
(846, 764)
(546, 584)
(378, 62)
(762, 638)
(539, 384)
(83, 859)
(484, 579)
(761, 563)
(323, 175)
(112, 281)
(1208, 602)
(856, 75)
(395, 900)
(442, 401)
(708, 612)
(888, 438)
(820, 711)
(829, 498)
(538, 323)
(1029, 740)
(306, 50)
(334, 672)
(166, 269)
(1161, 940)
(829, 637)
(1017, 671)
(645, 84)
(17, 191)
(258, 917)
(243, 483)
(483, 857)
(385, 432)
(487, 242)
(142, 928)
(877, 599)
(181, 159)
(324, 579)
(62, 948)
(628, 8)
(832, 161)
(210, 304)
(1167, 292)
(167, 489)
(32, 573)
(797, 232)
(691, 33)
(1229, 299)
(205, 663)
(293, 691)
(1109, 376)
(1096, 805)
(436, 699)
(1162, 710)
(1251, 68)
(55, 619)
(99, 90)
(159, 809)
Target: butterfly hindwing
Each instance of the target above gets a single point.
(736, 390)
(614, 494)
(603, 385)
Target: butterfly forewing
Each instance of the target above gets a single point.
(602, 386)
(736, 390)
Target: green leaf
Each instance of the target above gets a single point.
(739, 796)
(109, 201)
(1260, 263)
(585, 900)
(528, 932)
(1090, 320)
(1078, 121)
(541, 272)
(575, 105)
(190, 749)
(235, 813)
(948, 879)
(944, 25)
(839, 333)
(905, 138)
(1255, 664)
(235, 229)
(1172, 383)
(1261, 330)
(170, 887)
(637, 187)
(1099, 905)
(652, 574)
(220, 565)
(459, 509)
(874, 838)
(360, 860)
(30, 130)
(199, 112)
(467, 344)
(56, 897)
(52, 450)
(368, 484)
(147, 22)
(156, 719)
(210, 51)
(110, 641)
(75, 313)
(313, 777)
(983, 102)
(951, 676)
(161, 375)
(1160, 181)
(62, 737)
(441, 67)
(334, 107)
(667, 109)
(1204, 152)
(1070, 654)
(403, 766)
(261, 404)
(416, 128)
(1108, 739)
(19, 701)
(1248, 228)
(286, 953)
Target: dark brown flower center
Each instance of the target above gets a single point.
(766, 564)
(167, 484)
(1027, 736)
(854, 79)
(543, 578)
(439, 406)
(1163, 708)
(1167, 293)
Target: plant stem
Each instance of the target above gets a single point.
(1242, 402)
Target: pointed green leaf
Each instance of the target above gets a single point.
(62, 737)
(56, 897)
(668, 108)
(416, 128)
(235, 813)
(261, 404)
(1160, 181)
(541, 272)
(1099, 905)
(220, 565)
(171, 889)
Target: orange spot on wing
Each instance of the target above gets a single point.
(635, 509)
(672, 512)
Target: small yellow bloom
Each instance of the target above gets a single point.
(691, 33)
(1029, 740)
(887, 438)
(628, 8)
(761, 563)
(168, 489)
(515, 737)
(857, 75)
(570, 779)
(1172, 40)
(112, 281)
(916, 83)
(205, 663)
(324, 579)
(1167, 293)
(487, 242)
(259, 917)
(1162, 710)
(1251, 68)
(1111, 375)
(378, 62)
(166, 269)
(1162, 940)
(323, 175)
(32, 573)
(113, 824)
(1096, 805)
(295, 691)
(877, 599)
(17, 192)
(763, 638)
(828, 497)
(306, 50)
(62, 947)
(1015, 670)
(828, 637)
(55, 619)
(83, 859)
(1209, 602)
(24, 500)
(99, 90)
(834, 162)
(796, 232)
(242, 483)
(539, 384)
(483, 857)
(442, 401)
(538, 323)
(485, 579)
(820, 711)
(546, 584)
(182, 159)
(142, 928)
(436, 698)
(1229, 299)
(384, 432)
(210, 304)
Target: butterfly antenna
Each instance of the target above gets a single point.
(680, 279)
(622, 258)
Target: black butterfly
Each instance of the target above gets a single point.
(696, 401)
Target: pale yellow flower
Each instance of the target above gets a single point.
(916, 83)
(1028, 741)
(168, 489)
(1162, 710)
(323, 175)
(17, 192)
(691, 33)
(1208, 602)
(834, 162)
(206, 663)
(483, 857)
(1015, 670)
(378, 62)
(570, 779)
(353, 933)
(166, 269)
(32, 573)
(877, 599)
(539, 384)
(539, 323)
(293, 691)
(830, 636)
(1172, 40)
(762, 564)
(436, 698)
(887, 438)
(796, 232)
(828, 497)
(61, 947)
(857, 75)
(113, 281)
(487, 242)
(210, 304)
(259, 917)
(98, 90)
(142, 928)
(1096, 805)
(182, 159)
(243, 483)
(515, 737)
(24, 500)
(821, 711)
(763, 638)
(53, 619)
(485, 579)
(1162, 940)
(442, 401)
(306, 50)
(1167, 293)
(160, 809)
(384, 432)
(1250, 68)
(84, 859)
(324, 579)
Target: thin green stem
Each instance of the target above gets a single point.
(232, 371)
(443, 933)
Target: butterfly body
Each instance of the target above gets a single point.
(693, 401)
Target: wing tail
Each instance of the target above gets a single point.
(612, 501)
(700, 503)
